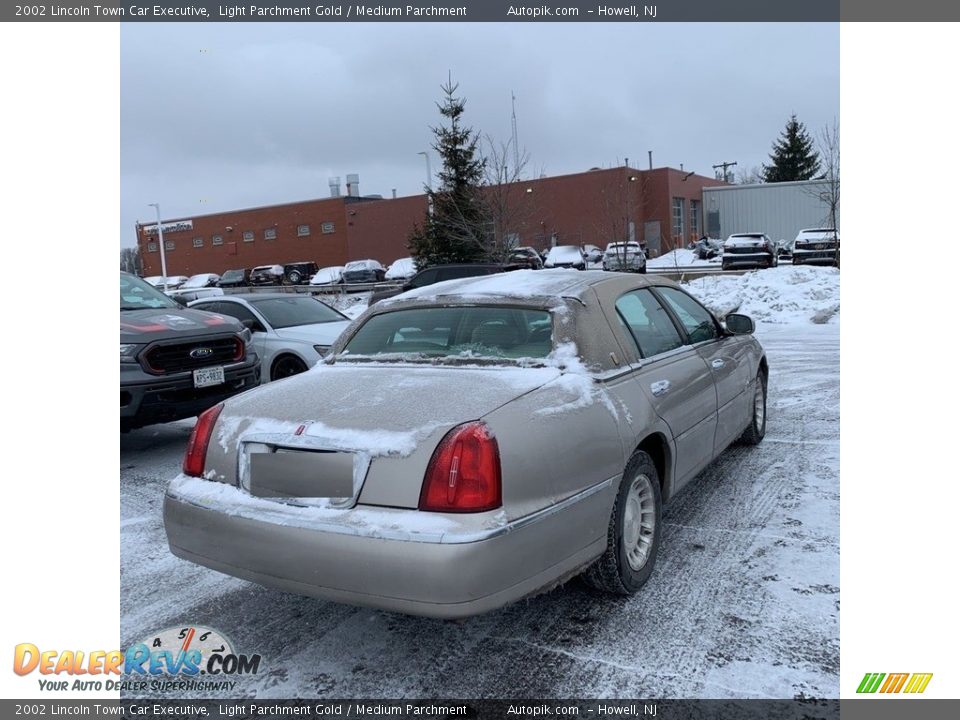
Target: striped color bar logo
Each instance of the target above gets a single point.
(894, 682)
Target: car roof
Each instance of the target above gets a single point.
(539, 286)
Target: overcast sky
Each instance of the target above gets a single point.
(218, 117)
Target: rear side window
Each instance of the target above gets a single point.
(648, 323)
(695, 318)
(235, 310)
(427, 277)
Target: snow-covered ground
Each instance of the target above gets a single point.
(681, 258)
(744, 601)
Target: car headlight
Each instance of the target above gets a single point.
(322, 350)
(128, 352)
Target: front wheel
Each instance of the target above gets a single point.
(633, 534)
(287, 366)
(758, 421)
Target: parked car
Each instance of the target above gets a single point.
(422, 466)
(592, 253)
(820, 246)
(401, 269)
(267, 275)
(299, 273)
(441, 273)
(328, 275)
(526, 257)
(625, 257)
(201, 280)
(235, 278)
(565, 256)
(175, 362)
(183, 296)
(361, 271)
(173, 281)
(746, 250)
(290, 332)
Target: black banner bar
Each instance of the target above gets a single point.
(485, 11)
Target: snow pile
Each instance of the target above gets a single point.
(785, 295)
(682, 257)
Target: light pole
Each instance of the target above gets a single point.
(163, 254)
(426, 156)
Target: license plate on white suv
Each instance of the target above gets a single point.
(205, 377)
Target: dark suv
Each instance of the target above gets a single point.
(299, 273)
(439, 273)
(175, 362)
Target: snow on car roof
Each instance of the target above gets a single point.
(517, 283)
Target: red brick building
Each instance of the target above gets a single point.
(661, 207)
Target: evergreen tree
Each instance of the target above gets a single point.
(793, 156)
(458, 228)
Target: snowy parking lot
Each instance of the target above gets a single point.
(744, 601)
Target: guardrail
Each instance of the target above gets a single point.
(332, 289)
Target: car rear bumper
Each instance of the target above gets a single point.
(747, 259)
(821, 255)
(148, 399)
(364, 556)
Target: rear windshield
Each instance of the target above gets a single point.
(460, 333)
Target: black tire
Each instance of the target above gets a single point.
(286, 366)
(643, 269)
(614, 572)
(758, 421)
(294, 277)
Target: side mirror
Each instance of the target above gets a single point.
(252, 325)
(739, 324)
(179, 300)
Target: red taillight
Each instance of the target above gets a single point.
(196, 457)
(464, 472)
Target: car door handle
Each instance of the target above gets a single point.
(717, 364)
(661, 387)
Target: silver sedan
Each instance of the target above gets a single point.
(425, 465)
(290, 332)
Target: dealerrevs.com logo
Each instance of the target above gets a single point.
(172, 659)
(894, 683)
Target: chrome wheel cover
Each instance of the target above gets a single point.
(639, 522)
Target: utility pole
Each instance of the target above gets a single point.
(163, 254)
(513, 124)
(725, 175)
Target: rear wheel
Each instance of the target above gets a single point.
(633, 534)
(758, 422)
(285, 366)
(294, 277)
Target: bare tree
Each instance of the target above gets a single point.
(753, 176)
(503, 196)
(130, 260)
(827, 190)
(621, 200)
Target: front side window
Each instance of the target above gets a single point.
(455, 333)
(646, 321)
(695, 318)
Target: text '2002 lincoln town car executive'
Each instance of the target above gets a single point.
(425, 465)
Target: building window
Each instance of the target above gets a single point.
(169, 245)
(151, 247)
(678, 217)
(694, 218)
(218, 239)
(303, 230)
(198, 242)
(327, 228)
(270, 234)
(248, 235)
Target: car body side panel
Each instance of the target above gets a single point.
(733, 367)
